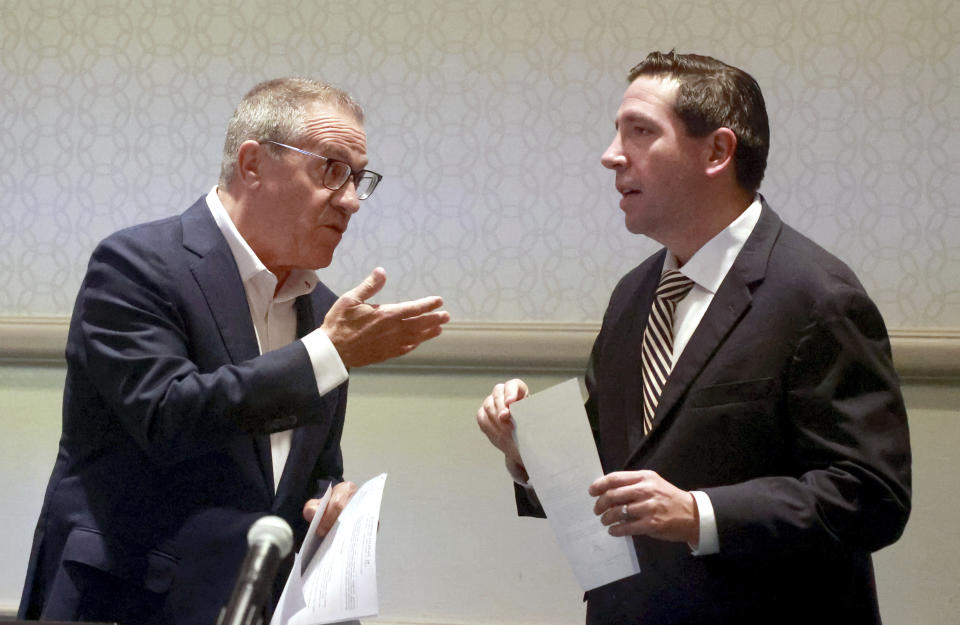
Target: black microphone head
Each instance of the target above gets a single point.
(271, 530)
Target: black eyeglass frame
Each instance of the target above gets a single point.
(358, 176)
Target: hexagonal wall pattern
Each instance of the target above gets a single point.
(488, 120)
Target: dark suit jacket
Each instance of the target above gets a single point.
(785, 409)
(164, 461)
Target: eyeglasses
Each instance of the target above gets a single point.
(336, 173)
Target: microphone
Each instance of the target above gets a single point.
(270, 540)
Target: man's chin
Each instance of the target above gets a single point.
(635, 225)
(323, 258)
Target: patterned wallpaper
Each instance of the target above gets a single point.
(488, 119)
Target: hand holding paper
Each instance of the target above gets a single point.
(560, 456)
(654, 507)
(496, 422)
(333, 505)
(334, 578)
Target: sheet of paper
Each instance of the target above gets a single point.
(334, 579)
(560, 456)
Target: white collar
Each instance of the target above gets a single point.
(709, 265)
(299, 282)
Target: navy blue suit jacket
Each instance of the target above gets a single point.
(785, 409)
(164, 460)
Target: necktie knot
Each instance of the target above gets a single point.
(673, 286)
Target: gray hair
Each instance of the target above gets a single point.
(275, 110)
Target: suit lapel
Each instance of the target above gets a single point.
(306, 320)
(728, 306)
(302, 445)
(215, 271)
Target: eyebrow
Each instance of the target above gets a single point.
(331, 151)
(337, 153)
(634, 116)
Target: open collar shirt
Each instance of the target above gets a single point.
(274, 318)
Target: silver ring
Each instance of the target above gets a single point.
(624, 514)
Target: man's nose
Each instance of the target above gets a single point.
(346, 197)
(613, 157)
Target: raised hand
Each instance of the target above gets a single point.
(366, 333)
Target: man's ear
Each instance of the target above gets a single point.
(250, 157)
(722, 145)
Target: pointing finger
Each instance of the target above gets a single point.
(370, 286)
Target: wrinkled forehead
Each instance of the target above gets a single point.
(330, 125)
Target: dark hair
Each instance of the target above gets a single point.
(715, 95)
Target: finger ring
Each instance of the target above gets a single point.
(624, 514)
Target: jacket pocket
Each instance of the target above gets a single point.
(154, 570)
(732, 393)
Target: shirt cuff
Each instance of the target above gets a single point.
(709, 539)
(327, 366)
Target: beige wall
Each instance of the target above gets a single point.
(451, 549)
(918, 576)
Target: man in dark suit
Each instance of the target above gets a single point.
(206, 373)
(776, 456)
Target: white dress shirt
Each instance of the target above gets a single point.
(707, 268)
(274, 319)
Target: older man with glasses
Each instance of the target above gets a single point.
(207, 373)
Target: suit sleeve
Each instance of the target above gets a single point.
(848, 440)
(328, 469)
(130, 337)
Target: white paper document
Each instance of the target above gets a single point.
(334, 578)
(560, 456)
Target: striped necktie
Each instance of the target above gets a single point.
(657, 354)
